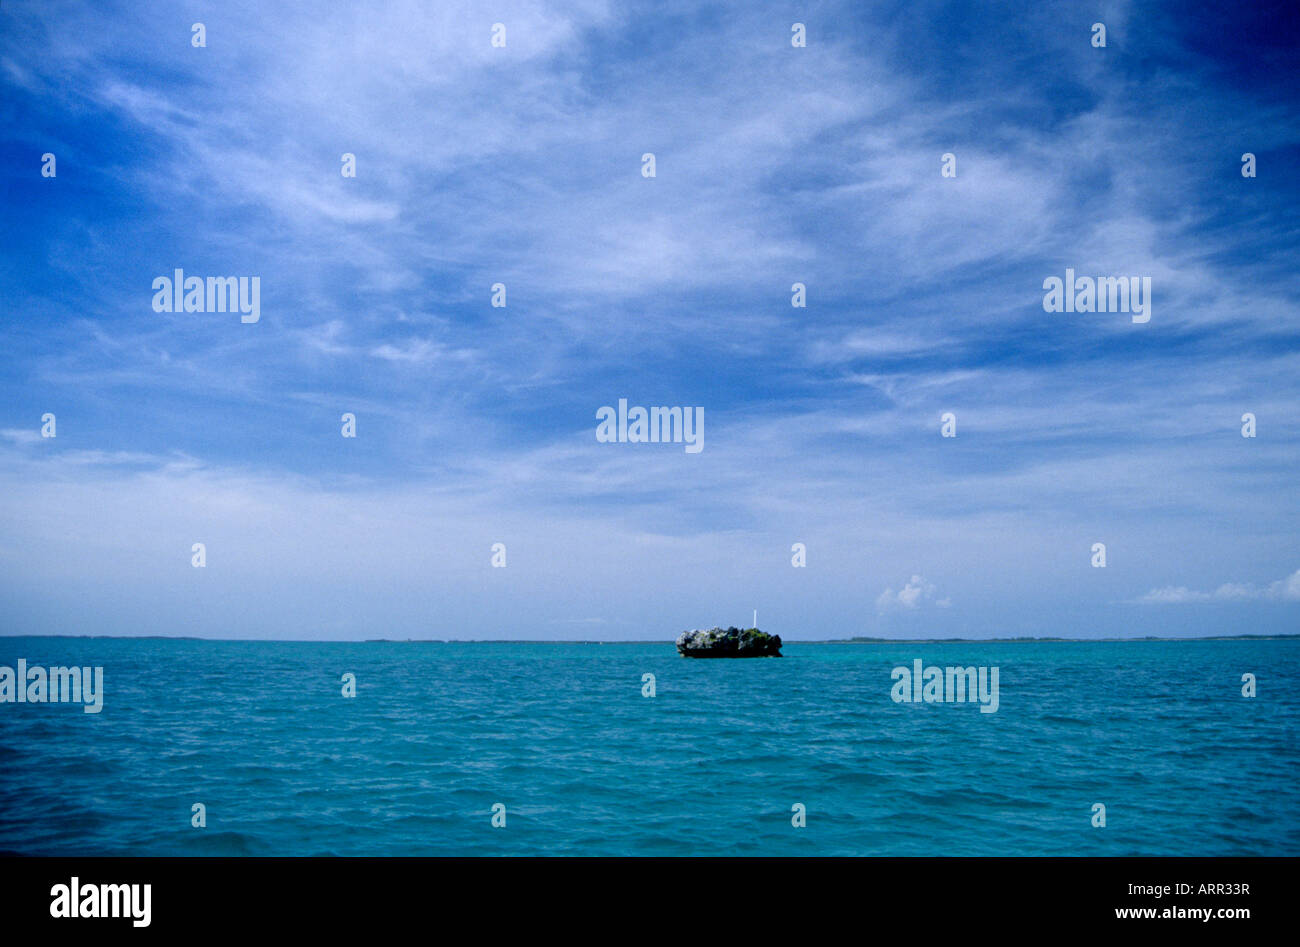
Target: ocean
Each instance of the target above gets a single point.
(719, 761)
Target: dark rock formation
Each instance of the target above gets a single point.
(728, 643)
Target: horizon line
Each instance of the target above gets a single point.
(597, 641)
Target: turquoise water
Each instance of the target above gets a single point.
(561, 735)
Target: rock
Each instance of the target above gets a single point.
(728, 643)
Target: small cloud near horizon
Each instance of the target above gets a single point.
(914, 593)
(1287, 590)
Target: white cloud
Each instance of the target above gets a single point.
(20, 435)
(1287, 589)
(915, 592)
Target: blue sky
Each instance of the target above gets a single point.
(774, 165)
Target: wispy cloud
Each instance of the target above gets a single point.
(914, 593)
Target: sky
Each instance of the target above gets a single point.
(523, 165)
